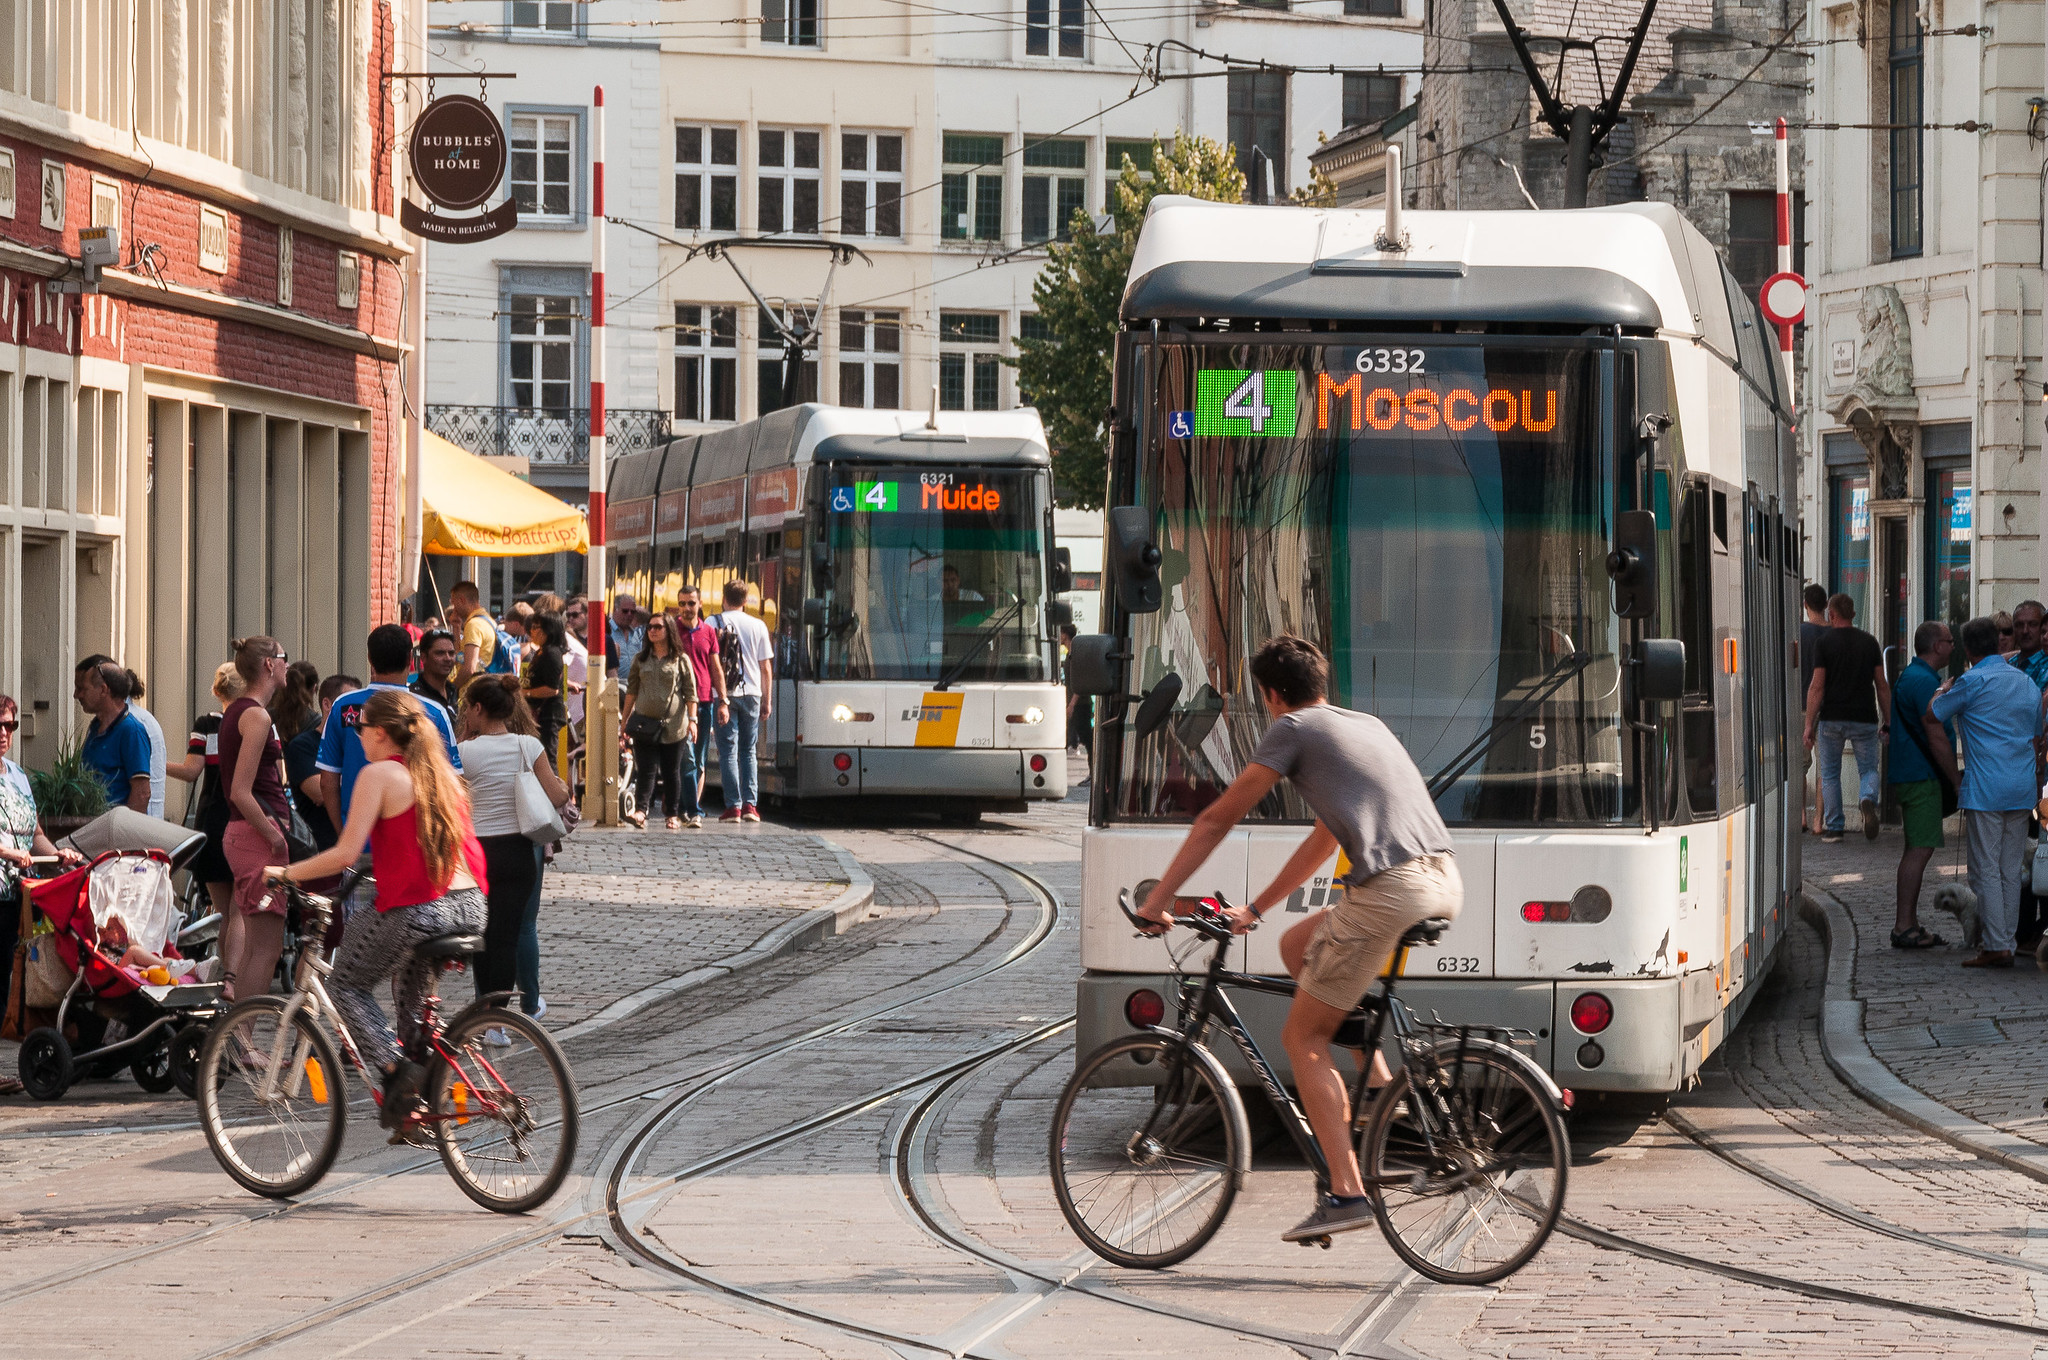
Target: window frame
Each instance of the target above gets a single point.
(974, 357)
(535, 280)
(702, 344)
(868, 357)
(706, 171)
(579, 157)
(1058, 179)
(873, 177)
(805, 31)
(969, 177)
(1364, 79)
(789, 176)
(577, 30)
(1056, 30)
(1768, 198)
(1376, 9)
(1906, 67)
(1251, 78)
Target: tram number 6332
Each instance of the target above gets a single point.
(1456, 964)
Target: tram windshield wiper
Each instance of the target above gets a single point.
(985, 636)
(1551, 682)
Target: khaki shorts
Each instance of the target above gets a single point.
(1354, 941)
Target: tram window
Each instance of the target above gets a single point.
(675, 559)
(1720, 521)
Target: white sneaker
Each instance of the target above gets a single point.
(496, 1037)
(540, 1008)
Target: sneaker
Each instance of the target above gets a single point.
(496, 1037)
(693, 821)
(729, 815)
(1332, 1215)
(401, 1093)
(752, 813)
(412, 1136)
(1830, 838)
(1870, 819)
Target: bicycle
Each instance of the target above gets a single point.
(1463, 1152)
(500, 1107)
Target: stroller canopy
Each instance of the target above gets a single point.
(124, 828)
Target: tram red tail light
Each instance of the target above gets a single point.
(1037, 764)
(1592, 1013)
(842, 762)
(1144, 1008)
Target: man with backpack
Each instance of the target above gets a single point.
(746, 655)
(1917, 782)
(486, 650)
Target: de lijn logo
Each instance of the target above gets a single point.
(458, 161)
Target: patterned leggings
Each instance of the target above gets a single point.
(380, 943)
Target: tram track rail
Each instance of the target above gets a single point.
(676, 1094)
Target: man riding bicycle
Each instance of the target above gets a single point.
(1371, 802)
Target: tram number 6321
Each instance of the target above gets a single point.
(1457, 964)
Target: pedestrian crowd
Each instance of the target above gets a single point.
(1954, 737)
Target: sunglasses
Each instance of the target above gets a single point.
(10, 724)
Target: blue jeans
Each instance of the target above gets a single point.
(737, 741)
(699, 754)
(1828, 742)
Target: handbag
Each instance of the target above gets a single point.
(1949, 792)
(641, 726)
(539, 820)
(298, 837)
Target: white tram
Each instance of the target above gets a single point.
(1441, 464)
(904, 564)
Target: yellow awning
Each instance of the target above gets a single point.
(476, 510)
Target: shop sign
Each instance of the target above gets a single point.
(458, 161)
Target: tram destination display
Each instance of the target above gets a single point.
(1380, 390)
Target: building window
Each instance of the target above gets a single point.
(1753, 236)
(1370, 98)
(871, 359)
(1114, 152)
(707, 178)
(707, 362)
(970, 361)
(543, 154)
(790, 23)
(790, 183)
(768, 363)
(1384, 9)
(971, 190)
(1038, 27)
(1258, 121)
(1052, 199)
(543, 351)
(870, 184)
(1906, 137)
(553, 17)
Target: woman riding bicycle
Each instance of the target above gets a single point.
(410, 807)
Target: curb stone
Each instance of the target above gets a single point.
(820, 923)
(1848, 1053)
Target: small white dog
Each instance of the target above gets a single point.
(1959, 902)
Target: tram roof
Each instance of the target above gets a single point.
(1637, 265)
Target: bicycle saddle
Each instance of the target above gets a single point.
(452, 945)
(1426, 932)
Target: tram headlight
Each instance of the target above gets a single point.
(843, 714)
(1592, 1013)
(1030, 717)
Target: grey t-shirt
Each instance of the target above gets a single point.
(1361, 783)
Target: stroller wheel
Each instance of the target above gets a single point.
(46, 1064)
(184, 1057)
(152, 1071)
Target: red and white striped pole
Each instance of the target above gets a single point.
(1784, 293)
(601, 716)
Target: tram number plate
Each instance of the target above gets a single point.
(1452, 963)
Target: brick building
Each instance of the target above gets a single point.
(209, 443)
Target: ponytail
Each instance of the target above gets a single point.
(440, 803)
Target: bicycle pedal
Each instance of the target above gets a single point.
(1323, 1242)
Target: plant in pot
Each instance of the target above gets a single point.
(68, 794)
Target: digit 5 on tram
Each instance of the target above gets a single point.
(1525, 482)
(904, 566)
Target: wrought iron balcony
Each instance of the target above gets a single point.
(555, 437)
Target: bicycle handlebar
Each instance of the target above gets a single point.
(1207, 918)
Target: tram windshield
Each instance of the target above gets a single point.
(933, 575)
(1435, 517)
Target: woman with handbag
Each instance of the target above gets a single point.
(502, 753)
(259, 810)
(660, 716)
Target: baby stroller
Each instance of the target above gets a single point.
(83, 931)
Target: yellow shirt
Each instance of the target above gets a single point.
(479, 633)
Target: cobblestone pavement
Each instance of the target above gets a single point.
(793, 1192)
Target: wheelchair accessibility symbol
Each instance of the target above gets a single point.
(1181, 425)
(842, 498)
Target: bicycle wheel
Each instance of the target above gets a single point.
(272, 1100)
(1484, 1163)
(505, 1114)
(1146, 1173)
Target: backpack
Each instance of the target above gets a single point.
(729, 658)
(505, 659)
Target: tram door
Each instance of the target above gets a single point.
(1763, 699)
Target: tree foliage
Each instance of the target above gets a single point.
(1065, 371)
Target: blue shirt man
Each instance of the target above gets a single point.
(1998, 711)
(117, 755)
(341, 750)
(1911, 693)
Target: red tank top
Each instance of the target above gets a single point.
(401, 866)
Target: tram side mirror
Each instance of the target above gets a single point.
(1632, 566)
(1157, 706)
(1058, 613)
(1136, 558)
(1660, 669)
(1062, 570)
(1095, 665)
(814, 613)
